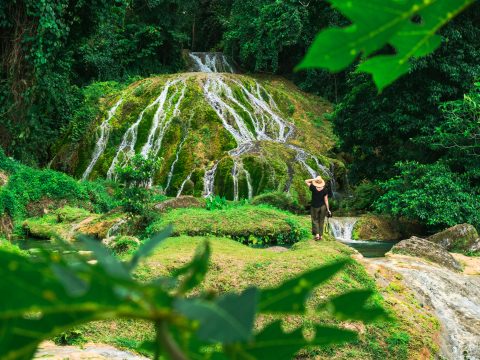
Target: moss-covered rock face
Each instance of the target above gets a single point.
(382, 228)
(232, 135)
(461, 237)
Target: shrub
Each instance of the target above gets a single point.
(278, 199)
(431, 194)
(216, 203)
(124, 245)
(135, 176)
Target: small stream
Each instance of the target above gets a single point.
(342, 230)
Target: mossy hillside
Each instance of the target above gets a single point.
(235, 267)
(248, 224)
(207, 140)
(69, 222)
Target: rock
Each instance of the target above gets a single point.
(422, 248)
(3, 178)
(462, 237)
(180, 202)
(381, 228)
(88, 351)
(6, 226)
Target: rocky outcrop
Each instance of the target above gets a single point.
(454, 296)
(427, 250)
(88, 351)
(461, 237)
(382, 228)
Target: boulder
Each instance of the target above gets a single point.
(462, 237)
(180, 202)
(3, 178)
(423, 248)
(382, 228)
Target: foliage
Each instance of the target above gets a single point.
(124, 245)
(70, 337)
(431, 194)
(362, 197)
(69, 293)
(135, 197)
(378, 130)
(27, 185)
(408, 26)
(255, 225)
(457, 135)
(216, 203)
(280, 200)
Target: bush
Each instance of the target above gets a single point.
(363, 197)
(27, 185)
(431, 194)
(216, 203)
(124, 245)
(135, 176)
(255, 225)
(280, 200)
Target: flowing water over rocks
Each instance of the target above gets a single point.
(455, 298)
(246, 110)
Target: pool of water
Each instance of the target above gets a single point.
(34, 246)
(370, 249)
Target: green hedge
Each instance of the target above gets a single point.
(255, 225)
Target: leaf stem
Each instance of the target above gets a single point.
(166, 341)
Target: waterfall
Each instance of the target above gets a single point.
(210, 62)
(161, 119)
(342, 227)
(160, 123)
(249, 183)
(103, 135)
(209, 180)
(180, 190)
(245, 108)
(172, 167)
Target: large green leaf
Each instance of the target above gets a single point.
(354, 306)
(228, 319)
(376, 23)
(194, 272)
(148, 246)
(273, 343)
(290, 296)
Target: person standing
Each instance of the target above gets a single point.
(319, 205)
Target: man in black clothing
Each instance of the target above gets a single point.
(319, 206)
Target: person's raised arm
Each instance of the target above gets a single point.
(309, 182)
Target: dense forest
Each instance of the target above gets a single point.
(106, 122)
(59, 57)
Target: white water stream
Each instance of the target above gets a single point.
(103, 135)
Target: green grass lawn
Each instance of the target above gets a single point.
(235, 266)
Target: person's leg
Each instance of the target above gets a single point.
(315, 212)
(322, 212)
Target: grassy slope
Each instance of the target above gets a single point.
(235, 267)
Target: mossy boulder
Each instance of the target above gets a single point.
(425, 249)
(194, 134)
(179, 203)
(382, 228)
(461, 237)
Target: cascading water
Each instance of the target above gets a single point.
(210, 62)
(342, 227)
(103, 135)
(245, 108)
(166, 110)
(180, 190)
(172, 167)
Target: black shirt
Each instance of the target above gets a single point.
(318, 197)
